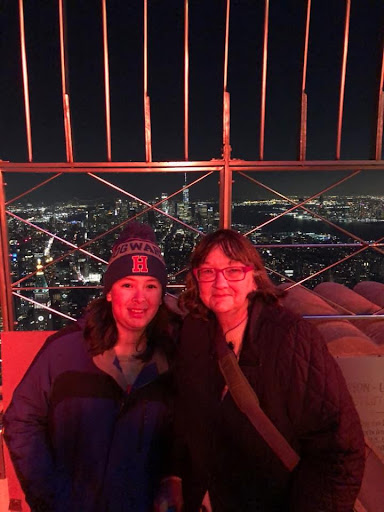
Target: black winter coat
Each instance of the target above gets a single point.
(300, 388)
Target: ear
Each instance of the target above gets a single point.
(255, 285)
(108, 297)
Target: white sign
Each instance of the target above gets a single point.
(365, 379)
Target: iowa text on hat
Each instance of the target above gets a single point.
(135, 247)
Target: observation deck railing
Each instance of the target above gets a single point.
(226, 170)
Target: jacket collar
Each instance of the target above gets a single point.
(108, 363)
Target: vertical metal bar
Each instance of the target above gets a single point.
(67, 123)
(186, 80)
(264, 80)
(225, 195)
(147, 109)
(106, 81)
(304, 99)
(226, 171)
(6, 301)
(145, 49)
(226, 46)
(225, 83)
(66, 108)
(25, 80)
(343, 73)
(148, 132)
(380, 112)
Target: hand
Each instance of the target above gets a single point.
(170, 495)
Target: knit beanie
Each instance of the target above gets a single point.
(135, 253)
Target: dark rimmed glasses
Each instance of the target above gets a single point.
(206, 275)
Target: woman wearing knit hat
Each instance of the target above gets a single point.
(89, 426)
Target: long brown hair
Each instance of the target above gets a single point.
(100, 331)
(236, 247)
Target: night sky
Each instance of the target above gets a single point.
(165, 85)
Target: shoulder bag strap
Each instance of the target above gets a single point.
(247, 401)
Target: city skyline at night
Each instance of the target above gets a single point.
(71, 278)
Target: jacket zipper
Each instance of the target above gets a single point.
(144, 420)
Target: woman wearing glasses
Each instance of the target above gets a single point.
(232, 302)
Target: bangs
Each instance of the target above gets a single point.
(236, 250)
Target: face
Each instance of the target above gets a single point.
(221, 296)
(135, 301)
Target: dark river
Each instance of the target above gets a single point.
(369, 231)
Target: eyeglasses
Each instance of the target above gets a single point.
(206, 275)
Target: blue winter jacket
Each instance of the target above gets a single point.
(79, 441)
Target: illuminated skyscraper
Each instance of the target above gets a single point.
(165, 204)
(185, 191)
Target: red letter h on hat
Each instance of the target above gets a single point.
(139, 264)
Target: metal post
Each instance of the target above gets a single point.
(25, 80)
(226, 171)
(304, 99)
(380, 114)
(106, 81)
(264, 79)
(64, 85)
(342, 80)
(147, 104)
